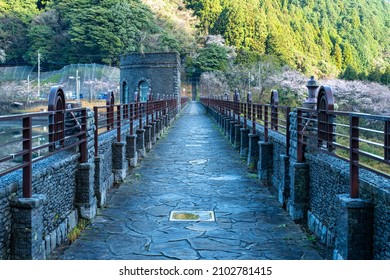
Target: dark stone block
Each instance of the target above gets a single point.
(355, 228)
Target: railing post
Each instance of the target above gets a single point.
(27, 157)
(110, 110)
(118, 123)
(83, 145)
(253, 119)
(354, 156)
(56, 104)
(131, 118)
(300, 145)
(265, 123)
(96, 132)
(387, 141)
(325, 104)
(288, 131)
(274, 110)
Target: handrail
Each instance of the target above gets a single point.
(116, 116)
(65, 129)
(271, 117)
(363, 141)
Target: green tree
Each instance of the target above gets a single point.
(49, 36)
(13, 40)
(349, 73)
(338, 57)
(231, 23)
(210, 58)
(25, 10)
(385, 79)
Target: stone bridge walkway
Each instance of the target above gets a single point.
(192, 168)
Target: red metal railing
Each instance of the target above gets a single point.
(184, 100)
(360, 139)
(29, 138)
(270, 116)
(115, 117)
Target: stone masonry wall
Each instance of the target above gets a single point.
(328, 178)
(53, 177)
(6, 194)
(279, 148)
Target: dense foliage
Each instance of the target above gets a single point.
(350, 38)
(85, 31)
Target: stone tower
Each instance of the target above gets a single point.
(150, 73)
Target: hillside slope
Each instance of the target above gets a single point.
(320, 37)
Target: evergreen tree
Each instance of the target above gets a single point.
(350, 73)
(338, 57)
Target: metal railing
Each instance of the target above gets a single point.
(28, 138)
(32, 137)
(270, 116)
(362, 140)
(135, 114)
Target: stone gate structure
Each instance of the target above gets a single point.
(152, 74)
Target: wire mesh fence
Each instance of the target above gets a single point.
(90, 81)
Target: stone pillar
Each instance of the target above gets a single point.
(264, 165)
(232, 131)
(223, 123)
(299, 190)
(163, 123)
(354, 230)
(253, 151)
(153, 133)
(284, 186)
(141, 142)
(167, 121)
(100, 187)
(131, 150)
(27, 228)
(148, 137)
(85, 195)
(219, 117)
(119, 162)
(237, 136)
(244, 142)
(158, 129)
(227, 126)
(216, 116)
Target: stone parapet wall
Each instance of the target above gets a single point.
(55, 179)
(6, 194)
(316, 192)
(329, 177)
(67, 190)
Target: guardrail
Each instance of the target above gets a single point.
(270, 116)
(360, 139)
(114, 117)
(36, 136)
(28, 138)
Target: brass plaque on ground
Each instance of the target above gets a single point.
(192, 216)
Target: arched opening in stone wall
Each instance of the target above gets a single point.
(143, 89)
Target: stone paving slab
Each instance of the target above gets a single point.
(193, 167)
